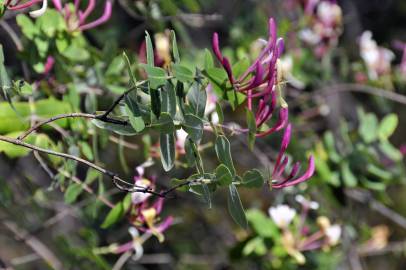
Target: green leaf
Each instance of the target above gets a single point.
(223, 175)
(156, 75)
(348, 177)
(235, 98)
(86, 150)
(206, 195)
(218, 78)
(372, 185)
(182, 73)
(223, 152)
(167, 148)
(5, 82)
(390, 151)
(51, 22)
(73, 53)
(252, 128)
(73, 192)
(133, 80)
(378, 172)
(330, 147)
(190, 153)
(208, 60)
(125, 130)
(220, 113)
(150, 50)
(27, 26)
(387, 126)
(165, 123)
(155, 95)
(197, 98)
(116, 66)
(175, 50)
(16, 118)
(117, 212)
(253, 179)
(255, 245)
(2, 8)
(193, 126)
(134, 113)
(261, 224)
(368, 127)
(168, 100)
(235, 207)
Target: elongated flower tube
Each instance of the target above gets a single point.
(278, 180)
(15, 5)
(76, 20)
(261, 70)
(259, 81)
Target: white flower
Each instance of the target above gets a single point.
(41, 11)
(329, 13)
(307, 203)
(333, 234)
(181, 137)
(377, 59)
(309, 36)
(282, 215)
(138, 249)
(139, 197)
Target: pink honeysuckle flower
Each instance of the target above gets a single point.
(76, 20)
(49, 64)
(149, 220)
(134, 245)
(15, 5)
(259, 81)
(278, 181)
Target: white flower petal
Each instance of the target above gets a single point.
(282, 215)
(41, 11)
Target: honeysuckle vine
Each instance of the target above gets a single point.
(180, 104)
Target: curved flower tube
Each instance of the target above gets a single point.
(278, 180)
(77, 20)
(17, 6)
(41, 11)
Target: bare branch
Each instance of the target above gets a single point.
(353, 87)
(52, 119)
(43, 251)
(119, 183)
(366, 197)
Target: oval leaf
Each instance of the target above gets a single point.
(167, 148)
(235, 207)
(253, 179)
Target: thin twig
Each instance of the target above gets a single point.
(55, 118)
(14, 37)
(353, 87)
(43, 251)
(116, 179)
(366, 197)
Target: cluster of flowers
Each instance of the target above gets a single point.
(261, 85)
(296, 236)
(378, 59)
(144, 215)
(75, 17)
(325, 25)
